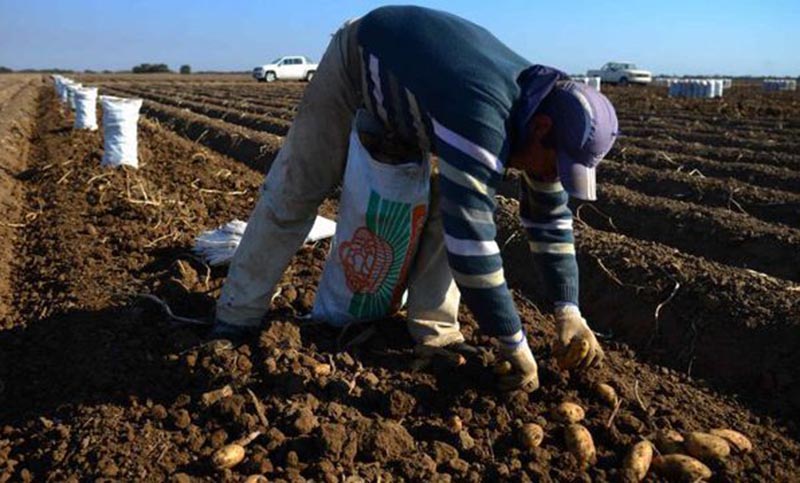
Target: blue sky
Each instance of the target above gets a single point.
(677, 36)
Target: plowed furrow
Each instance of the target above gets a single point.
(766, 204)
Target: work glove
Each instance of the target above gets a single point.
(576, 345)
(523, 373)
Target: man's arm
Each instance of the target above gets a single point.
(469, 174)
(548, 222)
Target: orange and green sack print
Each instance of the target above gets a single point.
(377, 257)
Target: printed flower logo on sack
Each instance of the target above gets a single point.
(366, 260)
(376, 258)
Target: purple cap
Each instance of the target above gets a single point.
(585, 126)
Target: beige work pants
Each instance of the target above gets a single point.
(308, 166)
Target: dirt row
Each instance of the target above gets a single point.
(766, 204)
(264, 107)
(737, 103)
(737, 329)
(774, 177)
(278, 127)
(17, 101)
(717, 234)
(717, 153)
(253, 148)
(711, 141)
(105, 387)
(709, 126)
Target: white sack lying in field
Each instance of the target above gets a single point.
(120, 120)
(217, 247)
(86, 108)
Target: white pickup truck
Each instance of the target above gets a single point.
(294, 67)
(621, 73)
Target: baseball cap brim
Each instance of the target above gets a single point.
(579, 180)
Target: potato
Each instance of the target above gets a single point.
(577, 350)
(503, 368)
(669, 441)
(228, 456)
(568, 412)
(454, 424)
(256, 479)
(736, 439)
(637, 461)
(531, 435)
(580, 444)
(607, 394)
(322, 369)
(707, 447)
(679, 467)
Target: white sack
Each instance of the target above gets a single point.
(120, 119)
(217, 247)
(71, 94)
(86, 108)
(63, 94)
(382, 212)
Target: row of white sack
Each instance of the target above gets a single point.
(773, 85)
(702, 88)
(120, 119)
(668, 81)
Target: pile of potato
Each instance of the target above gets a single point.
(674, 456)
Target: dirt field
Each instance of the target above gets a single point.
(689, 267)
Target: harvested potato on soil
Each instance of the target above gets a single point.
(737, 440)
(637, 461)
(568, 412)
(607, 394)
(707, 447)
(228, 456)
(531, 435)
(576, 351)
(669, 441)
(580, 444)
(679, 467)
(454, 424)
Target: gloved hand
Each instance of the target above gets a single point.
(524, 373)
(576, 346)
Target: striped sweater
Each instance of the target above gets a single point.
(450, 87)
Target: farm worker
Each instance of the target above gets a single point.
(446, 86)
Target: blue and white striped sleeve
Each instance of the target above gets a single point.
(547, 220)
(468, 177)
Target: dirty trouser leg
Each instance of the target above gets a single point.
(433, 297)
(308, 166)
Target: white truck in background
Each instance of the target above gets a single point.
(296, 67)
(621, 73)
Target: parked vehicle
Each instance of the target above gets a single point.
(286, 68)
(622, 73)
